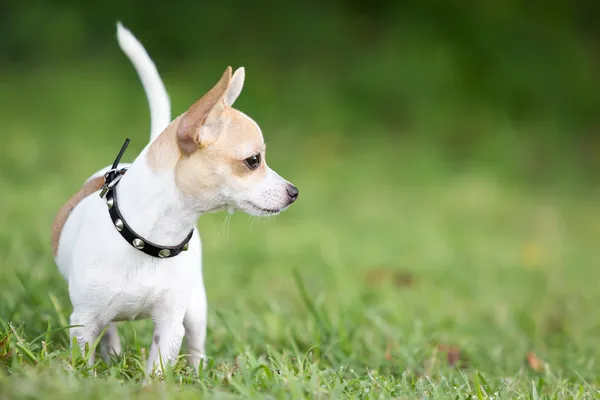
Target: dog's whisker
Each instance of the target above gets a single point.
(228, 219)
(251, 220)
(225, 226)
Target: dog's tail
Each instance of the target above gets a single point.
(158, 99)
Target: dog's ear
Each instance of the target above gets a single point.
(199, 125)
(235, 88)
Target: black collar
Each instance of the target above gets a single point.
(108, 190)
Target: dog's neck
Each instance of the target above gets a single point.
(152, 207)
(150, 201)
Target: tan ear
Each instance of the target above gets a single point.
(235, 88)
(199, 125)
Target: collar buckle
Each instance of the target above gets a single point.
(111, 178)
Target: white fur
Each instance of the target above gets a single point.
(156, 93)
(267, 195)
(158, 99)
(109, 280)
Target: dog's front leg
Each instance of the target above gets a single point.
(85, 329)
(195, 325)
(166, 343)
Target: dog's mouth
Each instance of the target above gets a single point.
(260, 210)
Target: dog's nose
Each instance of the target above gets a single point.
(292, 191)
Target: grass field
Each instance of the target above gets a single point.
(394, 275)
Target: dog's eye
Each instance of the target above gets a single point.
(253, 162)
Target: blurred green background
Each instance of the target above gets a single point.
(500, 83)
(447, 155)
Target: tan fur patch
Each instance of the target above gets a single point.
(91, 186)
(164, 152)
(205, 111)
(203, 170)
(181, 137)
(206, 146)
(240, 169)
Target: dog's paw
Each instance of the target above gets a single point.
(198, 362)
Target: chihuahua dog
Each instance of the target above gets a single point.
(139, 255)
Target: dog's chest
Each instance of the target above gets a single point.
(144, 289)
(123, 283)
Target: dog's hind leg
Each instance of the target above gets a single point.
(110, 343)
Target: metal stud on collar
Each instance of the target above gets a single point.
(119, 225)
(138, 244)
(164, 253)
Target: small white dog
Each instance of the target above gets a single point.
(140, 256)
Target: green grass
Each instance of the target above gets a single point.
(391, 255)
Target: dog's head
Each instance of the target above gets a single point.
(220, 161)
